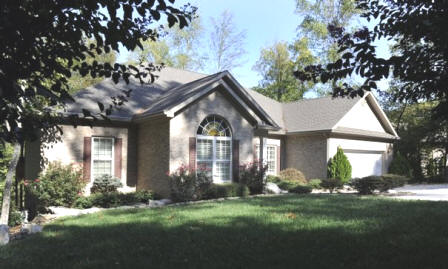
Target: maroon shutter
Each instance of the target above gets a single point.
(192, 153)
(86, 159)
(236, 160)
(117, 157)
(278, 160)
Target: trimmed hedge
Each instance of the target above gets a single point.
(292, 174)
(367, 185)
(315, 183)
(113, 199)
(331, 184)
(227, 190)
(301, 189)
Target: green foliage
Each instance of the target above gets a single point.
(314, 43)
(437, 179)
(227, 190)
(57, 185)
(331, 184)
(301, 189)
(113, 199)
(105, 183)
(391, 181)
(6, 151)
(42, 45)
(339, 167)
(284, 184)
(276, 67)
(400, 165)
(253, 176)
(315, 183)
(188, 184)
(417, 29)
(293, 174)
(367, 185)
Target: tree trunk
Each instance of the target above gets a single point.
(8, 184)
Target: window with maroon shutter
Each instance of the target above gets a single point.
(117, 156)
(103, 157)
(86, 159)
(236, 160)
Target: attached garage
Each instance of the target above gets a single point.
(365, 163)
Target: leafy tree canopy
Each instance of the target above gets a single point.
(418, 28)
(41, 44)
(276, 67)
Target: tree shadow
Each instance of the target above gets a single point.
(313, 231)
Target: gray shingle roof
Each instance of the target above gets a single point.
(142, 96)
(316, 114)
(174, 86)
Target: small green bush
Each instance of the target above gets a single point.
(315, 183)
(391, 181)
(400, 166)
(58, 185)
(105, 184)
(253, 176)
(301, 189)
(339, 167)
(15, 217)
(284, 184)
(367, 185)
(113, 199)
(189, 184)
(292, 174)
(227, 190)
(331, 184)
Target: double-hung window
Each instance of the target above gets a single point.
(271, 159)
(214, 149)
(102, 156)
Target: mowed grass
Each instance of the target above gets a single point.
(293, 231)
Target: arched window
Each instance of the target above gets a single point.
(214, 148)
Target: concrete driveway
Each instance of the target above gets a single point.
(432, 192)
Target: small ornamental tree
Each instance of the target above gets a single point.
(339, 167)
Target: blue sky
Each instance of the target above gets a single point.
(265, 22)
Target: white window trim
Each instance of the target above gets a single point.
(214, 160)
(92, 159)
(268, 143)
(275, 159)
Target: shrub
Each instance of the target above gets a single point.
(253, 176)
(301, 189)
(113, 199)
(331, 184)
(227, 190)
(292, 174)
(400, 165)
(437, 179)
(391, 181)
(367, 185)
(315, 183)
(58, 185)
(105, 184)
(283, 184)
(339, 167)
(83, 202)
(188, 184)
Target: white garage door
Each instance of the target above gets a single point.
(365, 163)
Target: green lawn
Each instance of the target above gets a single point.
(294, 231)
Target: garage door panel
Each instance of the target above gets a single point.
(365, 163)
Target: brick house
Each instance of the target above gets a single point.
(191, 118)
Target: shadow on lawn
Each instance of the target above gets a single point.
(314, 231)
